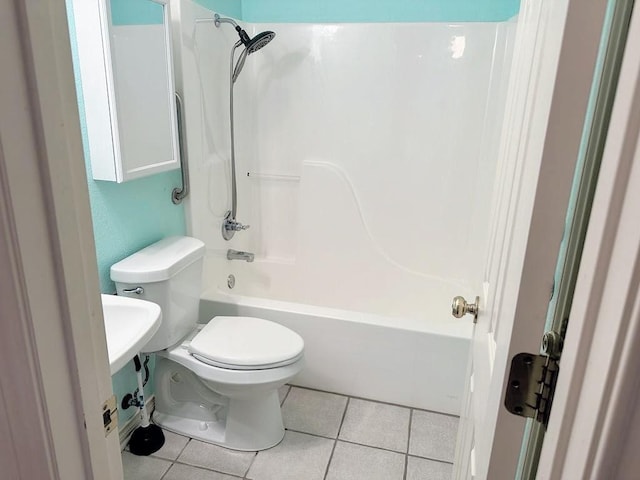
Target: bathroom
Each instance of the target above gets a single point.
(371, 302)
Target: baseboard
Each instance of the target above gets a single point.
(134, 422)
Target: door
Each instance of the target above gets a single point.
(55, 370)
(554, 59)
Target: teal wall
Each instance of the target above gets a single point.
(136, 12)
(357, 11)
(230, 8)
(131, 215)
(126, 217)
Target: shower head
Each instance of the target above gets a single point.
(256, 43)
(251, 44)
(259, 41)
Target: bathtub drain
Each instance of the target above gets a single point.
(231, 281)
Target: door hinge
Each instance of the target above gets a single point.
(532, 383)
(109, 415)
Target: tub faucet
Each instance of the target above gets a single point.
(237, 255)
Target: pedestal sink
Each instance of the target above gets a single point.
(129, 324)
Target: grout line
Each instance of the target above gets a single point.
(437, 413)
(406, 467)
(355, 397)
(286, 395)
(251, 463)
(179, 453)
(371, 446)
(432, 459)
(206, 469)
(335, 441)
(312, 434)
(333, 449)
(406, 457)
(183, 448)
(344, 414)
(165, 473)
(409, 432)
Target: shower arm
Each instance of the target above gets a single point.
(217, 19)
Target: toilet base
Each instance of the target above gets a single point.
(216, 432)
(186, 406)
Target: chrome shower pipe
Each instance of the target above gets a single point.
(230, 225)
(217, 19)
(234, 189)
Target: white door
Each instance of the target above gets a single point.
(55, 370)
(554, 58)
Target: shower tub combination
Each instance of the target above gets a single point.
(366, 159)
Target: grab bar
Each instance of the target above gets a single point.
(179, 193)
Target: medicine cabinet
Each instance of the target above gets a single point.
(126, 70)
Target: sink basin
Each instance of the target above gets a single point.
(129, 324)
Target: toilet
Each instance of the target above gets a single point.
(217, 382)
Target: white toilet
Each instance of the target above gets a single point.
(216, 382)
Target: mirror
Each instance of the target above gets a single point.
(124, 50)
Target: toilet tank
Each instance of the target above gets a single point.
(170, 274)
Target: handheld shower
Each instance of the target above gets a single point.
(251, 45)
(230, 225)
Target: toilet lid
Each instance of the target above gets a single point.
(246, 343)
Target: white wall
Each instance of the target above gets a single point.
(365, 152)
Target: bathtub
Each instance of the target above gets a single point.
(402, 360)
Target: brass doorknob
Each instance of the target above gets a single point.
(461, 307)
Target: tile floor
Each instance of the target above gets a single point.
(328, 437)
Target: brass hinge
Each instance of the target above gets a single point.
(532, 383)
(109, 415)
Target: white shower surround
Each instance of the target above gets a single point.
(366, 156)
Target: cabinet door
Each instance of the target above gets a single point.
(126, 74)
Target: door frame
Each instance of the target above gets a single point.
(51, 291)
(594, 428)
(52, 348)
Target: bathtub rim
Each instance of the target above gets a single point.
(457, 328)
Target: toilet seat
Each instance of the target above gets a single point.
(246, 343)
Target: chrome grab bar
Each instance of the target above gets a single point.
(179, 193)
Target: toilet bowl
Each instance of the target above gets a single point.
(217, 382)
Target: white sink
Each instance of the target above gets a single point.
(129, 324)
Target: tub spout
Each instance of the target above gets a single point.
(237, 255)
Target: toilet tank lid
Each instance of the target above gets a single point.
(158, 261)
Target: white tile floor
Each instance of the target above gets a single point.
(328, 437)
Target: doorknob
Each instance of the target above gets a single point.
(460, 307)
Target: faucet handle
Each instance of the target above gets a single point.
(234, 225)
(230, 225)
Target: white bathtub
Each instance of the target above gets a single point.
(404, 361)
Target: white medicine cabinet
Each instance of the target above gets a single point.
(126, 70)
